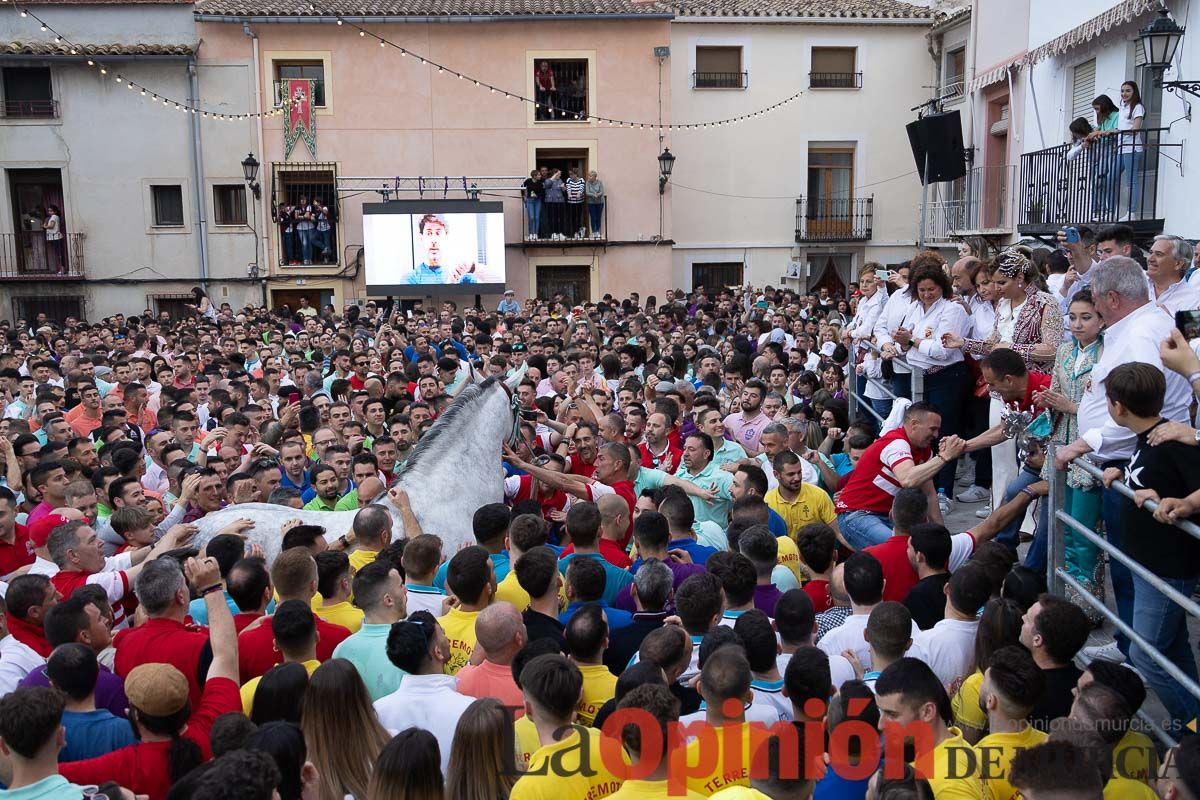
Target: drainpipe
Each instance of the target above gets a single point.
(198, 173)
(263, 200)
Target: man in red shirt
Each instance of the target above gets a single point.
(908, 509)
(159, 692)
(1017, 388)
(358, 378)
(294, 575)
(165, 638)
(78, 552)
(901, 458)
(518, 488)
(657, 450)
(15, 548)
(582, 460)
(249, 584)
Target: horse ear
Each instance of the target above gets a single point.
(518, 376)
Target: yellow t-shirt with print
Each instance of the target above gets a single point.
(994, 754)
(509, 591)
(955, 773)
(740, 793)
(965, 704)
(1127, 789)
(661, 790)
(247, 691)
(599, 686)
(554, 770)
(526, 735)
(360, 558)
(812, 504)
(729, 768)
(1135, 758)
(459, 626)
(343, 613)
(789, 556)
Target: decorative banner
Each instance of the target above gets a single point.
(300, 121)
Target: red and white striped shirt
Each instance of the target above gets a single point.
(873, 483)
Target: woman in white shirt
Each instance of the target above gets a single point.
(1131, 150)
(54, 240)
(933, 316)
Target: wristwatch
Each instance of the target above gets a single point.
(1196, 436)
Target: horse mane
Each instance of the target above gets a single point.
(432, 440)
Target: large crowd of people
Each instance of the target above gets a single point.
(706, 578)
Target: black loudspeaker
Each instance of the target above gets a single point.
(939, 136)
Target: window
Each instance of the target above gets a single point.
(27, 93)
(719, 68)
(306, 186)
(168, 206)
(56, 307)
(955, 72)
(285, 71)
(834, 68)
(560, 89)
(717, 275)
(1152, 93)
(1083, 91)
(229, 204)
(573, 281)
(830, 204)
(176, 305)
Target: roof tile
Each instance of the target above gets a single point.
(833, 9)
(431, 8)
(63, 49)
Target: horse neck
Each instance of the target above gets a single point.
(473, 444)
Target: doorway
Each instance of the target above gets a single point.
(562, 158)
(317, 298)
(833, 273)
(571, 281)
(33, 192)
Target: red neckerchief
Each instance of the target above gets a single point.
(33, 636)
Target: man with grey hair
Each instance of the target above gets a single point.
(652, 590)
(1165, 266)
(165, 638)
(1135, 328)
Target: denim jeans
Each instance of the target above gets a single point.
(306, 242)
(533, 209)
(1009, 536)
(1129, 169)
(1113, 510)
(882, 407)
(1163, 624)
(321, 242)
(902, 384)
(864, 528)
(289, 246)
(596, 215)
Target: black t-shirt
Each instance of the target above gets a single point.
(542, 626)
(927, 600)
(1057, 699)
(534, 189)
(1169, 469)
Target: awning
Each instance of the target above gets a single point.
(1121, 14)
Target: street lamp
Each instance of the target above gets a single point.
(666, 163)
(250, 171)
(1160, 39)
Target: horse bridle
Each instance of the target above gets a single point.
(514, 436)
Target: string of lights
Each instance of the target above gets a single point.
(383, 42)
(104, 69)
(450, 72)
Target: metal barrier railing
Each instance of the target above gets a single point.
(858, 403)
(1057, 577)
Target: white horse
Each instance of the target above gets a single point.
(452, 471)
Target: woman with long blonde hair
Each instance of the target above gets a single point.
(336, 703)
(480, 768)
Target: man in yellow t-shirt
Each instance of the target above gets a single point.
(472, 579)
(587, 638)
(799, 503)
(333, 585)
(656, 779)
(372, 532)
(1134, 755)
(295, 631)
(552, 686)
(913, 704)
(526, 532)
(725, 686)
(1011, 687)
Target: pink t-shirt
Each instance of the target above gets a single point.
(490, 679)
(746, 432)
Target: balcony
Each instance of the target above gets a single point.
(1114, 179)
(318, 99)
(720, 80)
(834, 219)
(835, 80)
(572, 220)
(26, 255)
(981, 204)
(29, 109)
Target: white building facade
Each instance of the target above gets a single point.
(152, 200)
(825, 183)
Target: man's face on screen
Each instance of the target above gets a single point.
(432, 237)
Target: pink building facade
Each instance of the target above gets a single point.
(381, 113)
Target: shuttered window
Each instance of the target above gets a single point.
(1083, 91)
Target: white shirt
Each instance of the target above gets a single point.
(428, 702)
(16, 661)
(869, 309)
(755, 712)
(1135, 338)
(1006, 318)
(891, 318)
(944, 316)
(983, 320)
(948, 648)
(424, 598)
(769, 695)
(849, 636)
(1178, 297)
(1130, 142)
(1194, 278)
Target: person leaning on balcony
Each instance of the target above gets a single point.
(595, 201)
(533, 203)
(54, 239)
(555, 205)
